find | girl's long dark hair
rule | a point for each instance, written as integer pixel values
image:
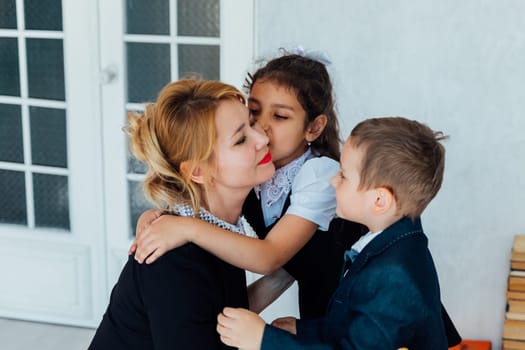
(311, 83)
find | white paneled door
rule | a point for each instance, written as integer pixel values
(69, 195)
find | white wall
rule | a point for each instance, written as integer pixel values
(458, 66)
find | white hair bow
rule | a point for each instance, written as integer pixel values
(318, 56)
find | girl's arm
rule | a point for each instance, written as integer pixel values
(262, 256)
(267, 289)
(312, 197)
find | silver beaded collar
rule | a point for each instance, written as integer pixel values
(241, 227)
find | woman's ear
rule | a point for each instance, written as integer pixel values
(197, 173)
(384, 200)
(316, 127)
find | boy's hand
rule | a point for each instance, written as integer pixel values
(143, 222)
(162, 235)
(286, 323)
(240, 328)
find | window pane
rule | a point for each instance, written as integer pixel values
(51, 196)
(48, 136)
(8, 14)
(43, 14)
(13, 203)
(147, 17)
(198, 17)
(11, 142)
(9, 73)
(199, 59)
(135, 166)
(137, 203)
(45, 69)
(148, 70)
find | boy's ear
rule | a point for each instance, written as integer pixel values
(197, 174)
(316, 127)
(384, 200)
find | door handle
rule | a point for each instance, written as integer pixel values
(109, 75)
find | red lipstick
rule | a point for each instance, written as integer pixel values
(267, 158)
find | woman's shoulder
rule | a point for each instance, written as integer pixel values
(187, 255)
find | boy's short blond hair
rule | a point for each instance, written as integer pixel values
(405, 156)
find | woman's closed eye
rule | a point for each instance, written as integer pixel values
(241, 140)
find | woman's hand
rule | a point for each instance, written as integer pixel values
(143, 222)
(162, 235)
(240, 328)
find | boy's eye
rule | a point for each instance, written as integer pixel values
(240, 141)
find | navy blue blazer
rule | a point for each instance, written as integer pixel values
(388, 299)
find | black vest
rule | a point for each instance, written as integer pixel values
(317, 266)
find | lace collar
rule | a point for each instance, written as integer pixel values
(241, 227)
(281, 182)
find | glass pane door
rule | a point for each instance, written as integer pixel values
(33, 141)
(51, 223)
(69, 73)
(165, 41)
(150, 44)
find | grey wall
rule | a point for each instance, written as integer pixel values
(459, 66)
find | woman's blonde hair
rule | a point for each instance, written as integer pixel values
(178, 128)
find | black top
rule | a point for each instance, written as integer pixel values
(172, 303)
(317, 266)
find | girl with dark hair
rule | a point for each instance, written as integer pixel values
(291, 98)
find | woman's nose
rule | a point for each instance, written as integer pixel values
(261, 139)
(257, 126)
(261, 122)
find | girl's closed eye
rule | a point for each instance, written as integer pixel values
(280, 117)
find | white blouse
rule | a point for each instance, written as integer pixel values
(309, 180)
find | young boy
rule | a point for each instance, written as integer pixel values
(388, 298)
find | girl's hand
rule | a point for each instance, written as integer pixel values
(143, 222)
(240, 328)
(162, 235)
(286, 323)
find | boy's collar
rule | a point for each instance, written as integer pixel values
(401, 229)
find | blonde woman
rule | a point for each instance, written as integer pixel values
(203, 157)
